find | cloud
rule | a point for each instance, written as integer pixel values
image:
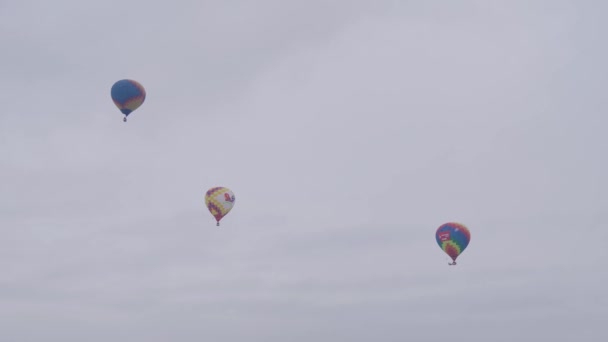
(349, 131)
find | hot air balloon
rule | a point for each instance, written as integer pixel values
(219, 201)
(128, 95)
(453, 238)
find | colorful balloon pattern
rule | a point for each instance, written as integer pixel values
(128, 95)
(453, 238)
(219, 200)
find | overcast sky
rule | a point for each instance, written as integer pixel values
(348, 130)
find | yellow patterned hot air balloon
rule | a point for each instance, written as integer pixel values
(219, 201)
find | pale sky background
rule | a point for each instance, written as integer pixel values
(348, 131)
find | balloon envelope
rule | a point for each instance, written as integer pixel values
(128, 95)
(219, 200)
(453, 238)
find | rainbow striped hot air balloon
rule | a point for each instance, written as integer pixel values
(128, 95)
(453, 238)
(219, 201)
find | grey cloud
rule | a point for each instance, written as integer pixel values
(348, 131)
